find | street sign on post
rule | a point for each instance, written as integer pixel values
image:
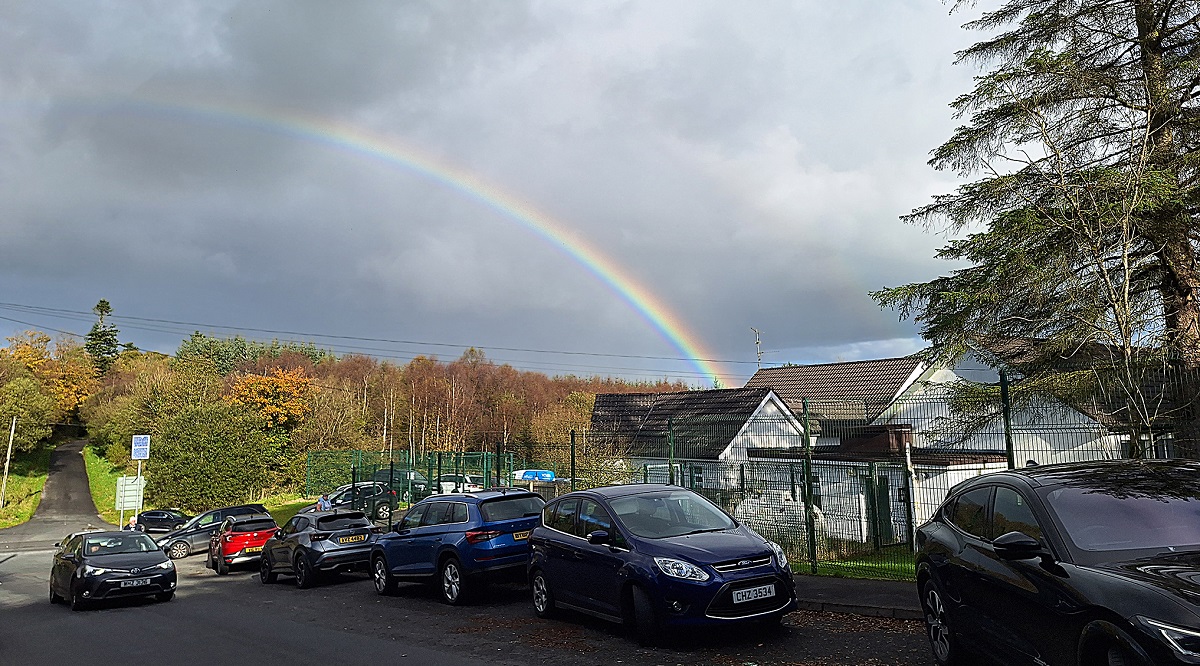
(141, 447)
(129, 492)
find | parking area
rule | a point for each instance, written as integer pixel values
(343, 618)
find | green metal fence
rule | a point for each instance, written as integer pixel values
(841, 484)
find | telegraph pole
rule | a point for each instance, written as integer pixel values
(757, 347)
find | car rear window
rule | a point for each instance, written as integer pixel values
(342, 522)
(253, 525)
(507, 508)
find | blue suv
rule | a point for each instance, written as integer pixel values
(656, 557)
(458, 541)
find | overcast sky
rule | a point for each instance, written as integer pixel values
(743, 162)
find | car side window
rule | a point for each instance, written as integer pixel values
(413, 518)
(208, 519)
(436, 514)
(969, 512)
(302, 524)
(564, 516)
(594, 517)
(290, 527)
(1011, 513)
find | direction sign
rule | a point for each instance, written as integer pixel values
(141, 447)
(129, 492)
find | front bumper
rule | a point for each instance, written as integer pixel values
(687, 604)
(114, 585)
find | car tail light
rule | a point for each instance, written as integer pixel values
(228, 538)
(377, 530)
(318, 536)
(480, 536)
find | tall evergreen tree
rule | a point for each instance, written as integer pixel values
(101, 342)
(1082, 135)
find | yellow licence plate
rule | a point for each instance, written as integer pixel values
(521, 536)
(352, 539)
(252, 549)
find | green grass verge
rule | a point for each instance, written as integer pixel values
(102, 477)
(893, 563)
(286, 505)
(26, 479)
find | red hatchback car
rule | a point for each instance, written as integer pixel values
(239, 540)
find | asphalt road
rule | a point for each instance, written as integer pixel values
(235, 617)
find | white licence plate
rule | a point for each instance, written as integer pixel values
(135, 582)
(753, 593)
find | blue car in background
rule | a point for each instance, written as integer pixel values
(458, 541)
(656, 557)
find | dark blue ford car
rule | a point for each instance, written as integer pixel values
(458, 542)
(656, 557)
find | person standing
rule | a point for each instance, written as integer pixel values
(323, 504)
(133, 525)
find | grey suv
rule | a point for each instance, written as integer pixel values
(193, 537)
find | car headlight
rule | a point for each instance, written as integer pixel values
(1183, 640)
(780, 556)
(165, 565)
(680, 569)
(89, 570)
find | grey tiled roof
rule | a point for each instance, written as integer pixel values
(704, 422)
(857, 389)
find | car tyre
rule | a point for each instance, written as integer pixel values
(178, 550)
(383, 512)
(543, 598)
(221, 567)
(645, 621)
(54, 598)
(265, 575)
(452, 584)
(304, 572)
(938, 630)
(78, 603)
(163, 597)
(385, 582)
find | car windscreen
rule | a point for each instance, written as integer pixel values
(119, 545)
(507, 508)
(1099, 521)
(252, 525)
(669, 513)
(331, 523)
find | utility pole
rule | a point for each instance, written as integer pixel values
(757, 347)
(11, 433)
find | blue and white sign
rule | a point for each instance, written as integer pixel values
(141, 447)
(537, 475)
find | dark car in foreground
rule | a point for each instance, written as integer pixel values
(162, 520)
(317, 543)
(239, 540)
(657, 557)
(195, 534)
(92, 566)
(458, 542)
(1084, 563)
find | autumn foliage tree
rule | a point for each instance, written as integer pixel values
(283, 398)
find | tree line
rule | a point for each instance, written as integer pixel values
(231, 418)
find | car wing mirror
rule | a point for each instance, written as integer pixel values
(598, 538)
(1018, 546)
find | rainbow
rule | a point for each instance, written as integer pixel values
(393, 151)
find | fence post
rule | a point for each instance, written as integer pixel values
(308, 463)
(875, 519)
(911, 503)
(499, 462)
(792, 477)
(810, 523)
(742, 479)
(1006, 411)
(670, 452)
(646, 473)
(572, 460)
